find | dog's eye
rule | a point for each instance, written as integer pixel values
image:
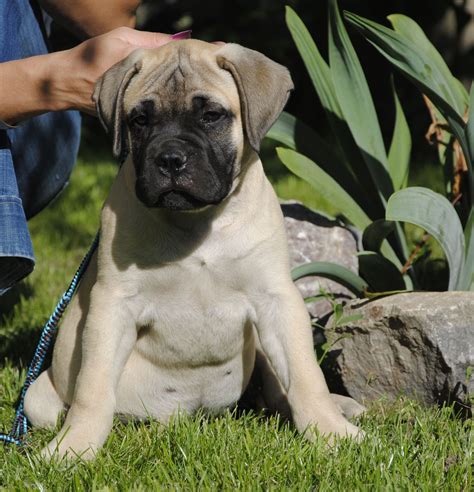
(211, 116)
(140, 120)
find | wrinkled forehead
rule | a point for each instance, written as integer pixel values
(173, 75)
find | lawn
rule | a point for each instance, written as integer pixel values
(408, 447)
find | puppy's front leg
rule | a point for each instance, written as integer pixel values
(284, 329)
(108, 339)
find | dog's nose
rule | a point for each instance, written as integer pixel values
(172, 162)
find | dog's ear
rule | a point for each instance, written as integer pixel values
(264, 87)
(108, 97)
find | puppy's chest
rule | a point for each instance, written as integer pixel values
(193, 314)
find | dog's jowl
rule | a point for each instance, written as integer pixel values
(191, 282)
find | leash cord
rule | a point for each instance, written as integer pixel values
(20, 423)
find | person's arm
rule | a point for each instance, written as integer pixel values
(88, 18)
(65, 80)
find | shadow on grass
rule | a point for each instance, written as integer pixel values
(17, 344)
(20, 347)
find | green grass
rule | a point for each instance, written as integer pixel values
(408, 447)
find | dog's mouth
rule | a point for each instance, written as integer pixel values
(189, 193)
(172, 197)
(179, 200)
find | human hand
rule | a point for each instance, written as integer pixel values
(66, 79)
(85, 63)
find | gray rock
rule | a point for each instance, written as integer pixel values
(419, 344)
(313, 237)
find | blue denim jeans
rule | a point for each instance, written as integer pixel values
(37, 157)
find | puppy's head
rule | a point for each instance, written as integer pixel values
(187, 110)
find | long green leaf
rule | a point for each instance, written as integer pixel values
(317, 67)
(381, 274)
(332, 271)
(320, 75)
(470, 143)
(468, 275)
(445, 141)
(328, 187)
(356, 102)
(459, 131)
(470, 124)
(375, 234)
(407, 27)
(374, 239)
(400, 147)
(296, 135)
(293, 133)
(404, 55)
(399, 161)
(457, 95)
(441, 87)
(434, 213)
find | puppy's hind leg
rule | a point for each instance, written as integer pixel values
(42, 402)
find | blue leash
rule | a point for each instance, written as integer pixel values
(20, 424)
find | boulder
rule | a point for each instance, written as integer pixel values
(420, 344)
(313, 237)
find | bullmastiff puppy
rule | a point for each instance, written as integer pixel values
(191, 278)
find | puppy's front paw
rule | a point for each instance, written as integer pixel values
(337, 430)
(68, 448)
(353, 432)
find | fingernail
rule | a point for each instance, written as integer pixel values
(182, 35)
